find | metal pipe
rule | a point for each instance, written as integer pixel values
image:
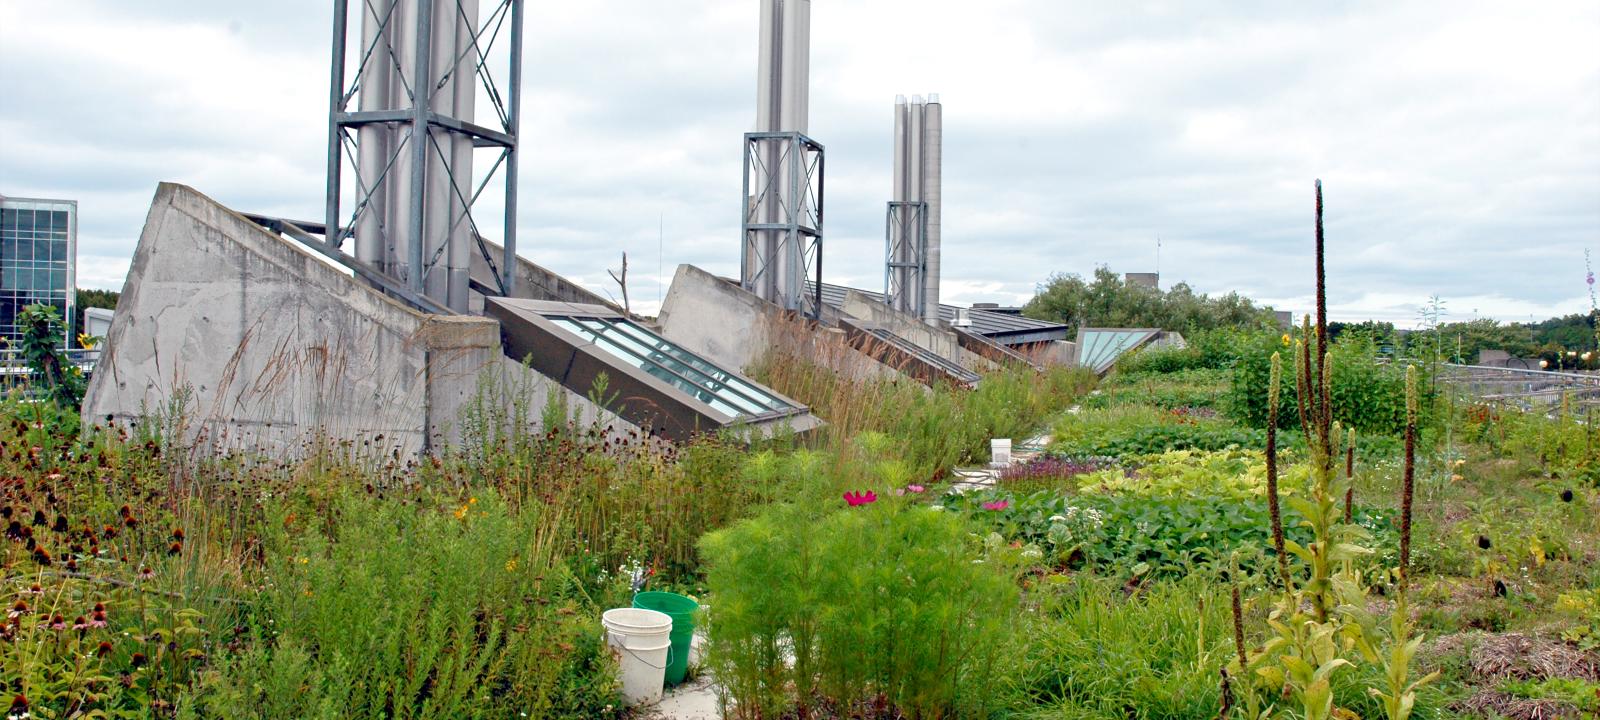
(422, 82)
(464, 83)
(373, 141)
(933, 196)
(896, 232)
(439, 204)
(341, 12)
(795, 58)
(402, 94)
(508, 265)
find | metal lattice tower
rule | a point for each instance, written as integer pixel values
(912, 230)
(411, 143)
(781, 219)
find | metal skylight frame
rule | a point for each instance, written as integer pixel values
(651, 381)
(711, 384)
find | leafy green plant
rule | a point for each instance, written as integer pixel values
(884, 606)
(43, 338)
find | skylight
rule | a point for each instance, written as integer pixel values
(1099, 348)
(676, 366)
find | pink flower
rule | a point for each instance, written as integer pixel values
(997, 505)
(915, 488)
(860, 498)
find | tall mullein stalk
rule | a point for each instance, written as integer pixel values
(1408, 479)
(1273, 511)
(1350, 479)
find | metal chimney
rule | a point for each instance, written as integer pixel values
(782, 215)
(912, 228)
(411, 141)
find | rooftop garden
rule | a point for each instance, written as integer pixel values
(1245, 528)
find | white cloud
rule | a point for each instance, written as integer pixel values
(1459, 141)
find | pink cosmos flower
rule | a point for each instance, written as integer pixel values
(860, 498)
(997, 505)
(915, 489)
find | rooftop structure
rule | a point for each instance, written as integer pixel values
(38, 259)
(1003, 329)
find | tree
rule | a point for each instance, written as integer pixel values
(1107, 301)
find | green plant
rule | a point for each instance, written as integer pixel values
(43, 338)
(884, 607)
(414, 612)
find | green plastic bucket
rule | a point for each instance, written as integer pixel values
(681, 609)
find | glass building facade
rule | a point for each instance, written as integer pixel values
(38, 259)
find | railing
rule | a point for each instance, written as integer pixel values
(12, 363)
(1529, 389)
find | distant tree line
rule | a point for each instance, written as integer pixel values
(1561, 342)
(1107, 301)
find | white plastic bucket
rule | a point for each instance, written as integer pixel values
(1000, 452)
(640, 639)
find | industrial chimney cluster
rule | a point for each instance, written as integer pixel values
(913, 228)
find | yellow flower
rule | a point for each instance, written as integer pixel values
(462, 513)
(511, 565)
(1286, 341)
(1456, 478)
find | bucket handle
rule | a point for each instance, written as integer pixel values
(624, 647)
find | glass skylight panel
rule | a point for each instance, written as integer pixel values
(1098, 349)
(641, 348)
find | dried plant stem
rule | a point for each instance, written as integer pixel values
(1350, 478)
(1408, 478)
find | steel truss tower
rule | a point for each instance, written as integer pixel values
(781, 213)
(411, 142)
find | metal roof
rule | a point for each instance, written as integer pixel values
(1001, 327)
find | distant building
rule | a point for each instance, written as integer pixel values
(38, 259)
(1149, 280)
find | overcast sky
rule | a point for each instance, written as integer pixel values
(1458, 141)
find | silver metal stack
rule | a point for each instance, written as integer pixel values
(783, 168)
(420, 67)
(912, 228)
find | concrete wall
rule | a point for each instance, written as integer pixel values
(939, 341)
(274, 345)
(533, 281)
(734, 328)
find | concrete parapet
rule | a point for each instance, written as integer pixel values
(271, 345)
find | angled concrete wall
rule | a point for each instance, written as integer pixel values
(938, 341)
(734, 328)
(275, 345)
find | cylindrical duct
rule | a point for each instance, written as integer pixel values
(373, 141)
(932, 194)
(768, 80)
(898, 216)
(796, 64)
(462, 240)
(397, 241)
(437, 199)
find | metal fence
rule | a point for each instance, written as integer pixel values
(1528, 389)
(14, 367)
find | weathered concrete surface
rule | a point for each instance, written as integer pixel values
(732, 327)
(533, 281)
(937, 340)
(274, 345)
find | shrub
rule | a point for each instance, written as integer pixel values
(418, 612)
(1367, 395)
(878, 604)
